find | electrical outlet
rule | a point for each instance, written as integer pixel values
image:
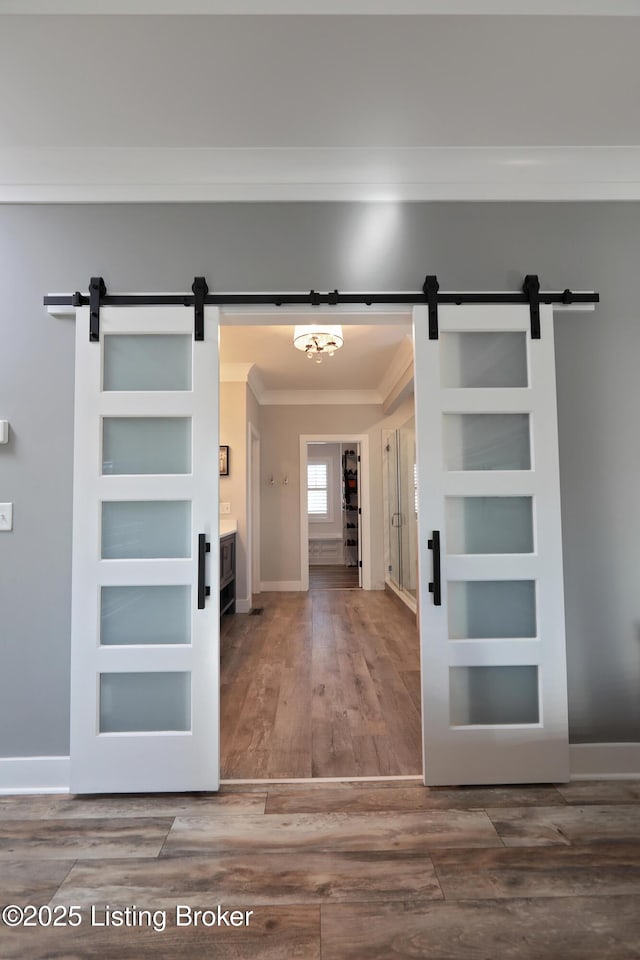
(6, 516)
(225, 508)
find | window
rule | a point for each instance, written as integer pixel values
(318, 505)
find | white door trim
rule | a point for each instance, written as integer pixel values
(365, 502)
(253, 511)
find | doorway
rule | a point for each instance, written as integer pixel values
(335, 511)
(323, 679)
(332, 520)
(493, 695)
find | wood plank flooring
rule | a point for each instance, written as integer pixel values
(321, 684)
(386, 870)
(333, 577)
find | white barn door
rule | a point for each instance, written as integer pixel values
(490, 548)
(145, 628)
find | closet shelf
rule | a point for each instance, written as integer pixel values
(350, 506)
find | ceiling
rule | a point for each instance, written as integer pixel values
(361, 364)
(394, 107)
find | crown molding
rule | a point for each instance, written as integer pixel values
(397, 369)
(246, 372)
(401, 391)
(276, 398)
(331, 7)
(149, 175)
(235, 372)
(255, 384)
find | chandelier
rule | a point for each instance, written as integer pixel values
(318, 340)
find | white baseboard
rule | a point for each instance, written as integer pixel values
(407, 778)
(34, 775)
(605, 761)
(243, 606)
(406, 598)
(589, 761)
(280, 586)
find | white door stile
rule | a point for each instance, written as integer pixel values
(491, 752)
(155, 759)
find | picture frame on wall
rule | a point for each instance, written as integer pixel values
(224, 461)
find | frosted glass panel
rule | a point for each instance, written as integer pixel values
(489, 524)
(149, 615)
(486, 441)
(483, 359)
(493, 695)
(147, 361)
(141, 529)
(485, 609)
(141, 702)
(146, 445)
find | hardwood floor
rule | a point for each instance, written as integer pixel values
(333, 577)
(321, 684)
(342, 871)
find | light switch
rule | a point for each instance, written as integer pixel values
(4, 431)
(6, 516)
(225, 508)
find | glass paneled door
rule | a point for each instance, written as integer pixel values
(490, 548)
(402, 508)
(145, 684)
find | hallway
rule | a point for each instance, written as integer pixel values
(320, 684)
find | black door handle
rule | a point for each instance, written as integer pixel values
(435, 587)
(203, 549)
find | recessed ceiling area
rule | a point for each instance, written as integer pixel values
(361, 364)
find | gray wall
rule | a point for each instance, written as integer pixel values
(300, 246)
(280, 431)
